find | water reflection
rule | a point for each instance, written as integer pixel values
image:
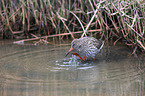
(27, 70)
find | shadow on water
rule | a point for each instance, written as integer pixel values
(27, 70)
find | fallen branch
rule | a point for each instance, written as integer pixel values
(22, 41)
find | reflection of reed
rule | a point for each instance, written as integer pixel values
(2, 84)
(35, 72)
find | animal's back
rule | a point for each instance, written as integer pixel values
(90, 47)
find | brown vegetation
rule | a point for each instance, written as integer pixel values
(117, 20)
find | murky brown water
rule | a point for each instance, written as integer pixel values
(27, 70)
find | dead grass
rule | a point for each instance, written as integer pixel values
(117, 20)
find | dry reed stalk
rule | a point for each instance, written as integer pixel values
(56, 35)
(59, 16)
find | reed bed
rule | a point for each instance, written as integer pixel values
(115, 20)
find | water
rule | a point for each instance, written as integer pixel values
(28, 70)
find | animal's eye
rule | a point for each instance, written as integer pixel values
(73, 45)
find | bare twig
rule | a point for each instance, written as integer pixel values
(63, 34)
(65, 25)
(141, 44)
(95, 12)
(79, 21)
(134, 30)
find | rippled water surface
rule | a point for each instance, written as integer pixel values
(42, 70)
